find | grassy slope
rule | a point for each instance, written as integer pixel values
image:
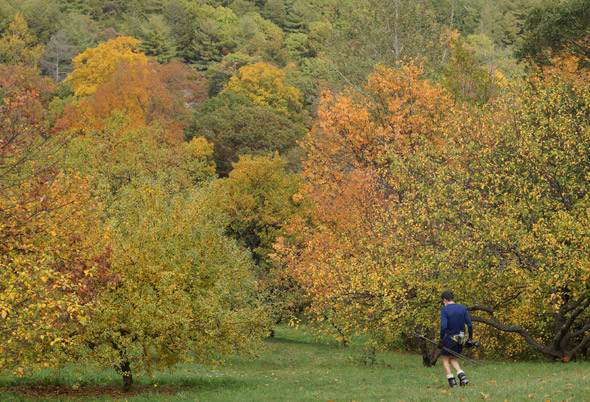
(297, 367)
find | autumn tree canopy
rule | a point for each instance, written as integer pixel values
(95, 66)
(521, 228)
(369, 159)
(52, 260)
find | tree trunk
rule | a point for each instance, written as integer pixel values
(429, 351)
(127, 376)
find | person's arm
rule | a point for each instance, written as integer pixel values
(469, 324)
(443, 323)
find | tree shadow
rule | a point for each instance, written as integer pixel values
(75, 392)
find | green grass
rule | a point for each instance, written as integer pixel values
(298, 367)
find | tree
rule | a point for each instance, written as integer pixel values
(237, 128)
(52, 258)
(216, 35)
(73, 6)
(258, 198)
(146, 93)
(372, 159)
(275, 11)
(57, 57)
(157, 40)
(79, 30)
(262, 40)
(116, 155)
(263, 84)
(95, 66)
(139, 90)
(180, 20)
(468, 78)
(370, 32)
(18, 46)
(521, 224)
(40, 16)
(7, 12)
(557, 27)
(184, 291)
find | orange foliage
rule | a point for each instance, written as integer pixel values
(363, 188)
(144, 92)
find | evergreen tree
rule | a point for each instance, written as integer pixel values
(41, 16)
(157, 39)
(79, 30)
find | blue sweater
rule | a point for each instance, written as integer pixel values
(453, 318)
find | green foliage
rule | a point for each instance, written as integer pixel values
(157, 40)
(558, 27)
(237, 128)
(500, 20)
(522, 216)
(79, 30)
(41, 16)
(263, 40)
(470, 77)
(217, 34)
(258, 198)
(74, 6)
(371, 32)
(183, 290)
(180, 20)
(7, 12)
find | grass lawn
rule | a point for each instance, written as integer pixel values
(298, 367)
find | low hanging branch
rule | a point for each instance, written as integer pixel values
(564, 332)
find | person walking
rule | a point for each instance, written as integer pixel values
(453, 319)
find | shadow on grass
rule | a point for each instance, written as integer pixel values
(314, 342)
(208, 384)
(76, 391)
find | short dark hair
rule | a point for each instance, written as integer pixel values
(448, 295)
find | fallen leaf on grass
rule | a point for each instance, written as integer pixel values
(532, 395)
(484, 396)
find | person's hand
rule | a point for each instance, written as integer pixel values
(471, 343)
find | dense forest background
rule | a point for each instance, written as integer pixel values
(178, 176)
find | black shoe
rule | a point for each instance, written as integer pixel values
(452, 382)
(463, 379)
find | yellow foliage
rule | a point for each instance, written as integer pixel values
(264, 85)
(17, 45)
(95, 66)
